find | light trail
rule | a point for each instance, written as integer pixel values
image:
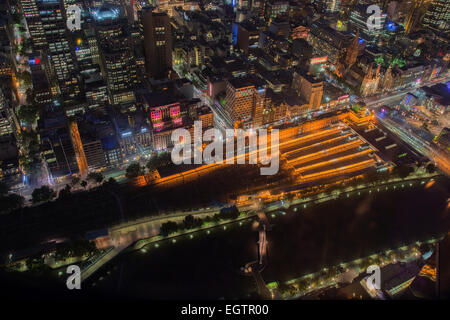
(441, 159)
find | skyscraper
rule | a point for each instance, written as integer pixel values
(5, 120)
(62, 66)
(245, 101)
(309, 88)
(358, 21)
(331, 6)
(157, 43)
(415, 13)
(116, 51)
(437, 17)
(32, 16)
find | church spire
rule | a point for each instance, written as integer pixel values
(369, 71)
(352, 51)
(377, 73)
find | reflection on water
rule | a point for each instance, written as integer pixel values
(304, 240)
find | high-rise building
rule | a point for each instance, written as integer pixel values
(331, 6)
(245, 101)
(415, 13)
(93, 151)
(56, 144)
(275, 8)
(116, 51)
(358, 21)
(437, 17)
(32, 16)
(326, 41)
(157, 43)
(190, 55)
(58, 48)
(309, 88)
(5, 123)
(247, 36)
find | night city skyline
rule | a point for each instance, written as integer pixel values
(191, 150)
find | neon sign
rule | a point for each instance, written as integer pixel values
(175, 111)
(34, 61)
(319, 60)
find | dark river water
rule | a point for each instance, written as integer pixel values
(299, 242)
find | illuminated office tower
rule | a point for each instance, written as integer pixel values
(5, 120)
(331, 6)
(33, 19)
(82, 50)
(58, 48)
(245, 102)
(116, 54)
(309, 88)
(91, 38)
(437, 17)
(415, 13)
(275, 8)
(358, 21)
(157, 43)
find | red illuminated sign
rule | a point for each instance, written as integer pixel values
(158, 126)
(34, 61)
(319, 60)
(156, 115)
(175, 111)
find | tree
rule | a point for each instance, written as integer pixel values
(4, 188)
(75, 181)
(43, 193)
(83, 184)
(95, 177)
(402, 171)
(29, 163)
(29, 159)
(26, 78)
(168, 228)
(159, 160)
(64, 193)
(16, 17)
(27, 44)
(22, 28)
(28, 113)
(285, 289)
(11, 202)
(29, 93)
(228, 213)
(111, 184)
(134, 170)
(431, 168)
(189, 221)
(82, 247)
